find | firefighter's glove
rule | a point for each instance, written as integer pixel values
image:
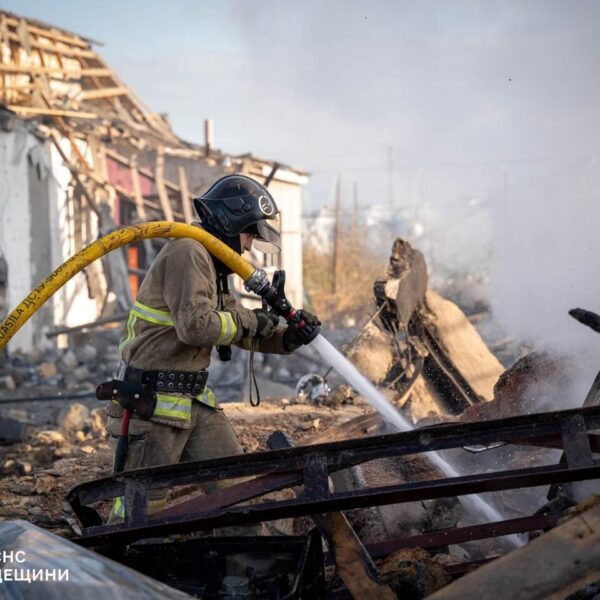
(293, 337)
(265, 322)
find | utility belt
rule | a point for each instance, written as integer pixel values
(165, 381)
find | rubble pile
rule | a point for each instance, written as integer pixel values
(394, 351)
(418, 347)
(75, 372)
(53, 372)
(38, 471)
(414, 573)
(300, 421)
(421, 351)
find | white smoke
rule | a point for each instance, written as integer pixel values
(546, 261)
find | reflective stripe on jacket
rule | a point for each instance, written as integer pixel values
(175, 323)
(119, 507)
(162, 318)
(176, 407)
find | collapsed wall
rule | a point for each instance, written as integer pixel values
(427, 358)
(463, 344)
(422, 349)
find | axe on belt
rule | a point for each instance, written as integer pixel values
(134, 398)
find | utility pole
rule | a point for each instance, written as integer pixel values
(336, 235)
(355, 207)
(390, 175)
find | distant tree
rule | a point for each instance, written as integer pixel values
(342, 294)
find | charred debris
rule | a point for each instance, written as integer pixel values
(345, 506)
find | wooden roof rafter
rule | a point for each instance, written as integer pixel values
(53, 58)
(67, 73)
(45, 71)
(36, 111)
(65, 50)
(106, 92)
(46, 30)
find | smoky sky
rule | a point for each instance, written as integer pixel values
(479, 119)
(460, 89)
(440, 81)
(491, 113)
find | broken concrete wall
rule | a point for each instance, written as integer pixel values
(422, 348)
(15, 221)
(39, 193)
(70, 230)
(463, 344)
(43, 223)
(373, 353)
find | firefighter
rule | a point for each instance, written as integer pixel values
(183, 310)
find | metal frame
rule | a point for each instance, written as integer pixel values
(311, 466)
(459, 535)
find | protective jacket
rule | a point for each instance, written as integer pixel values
(176, 321)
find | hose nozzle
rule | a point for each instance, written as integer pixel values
(274, 295)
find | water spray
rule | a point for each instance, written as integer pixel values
(368, 391)
(274, 296)
(255, 280)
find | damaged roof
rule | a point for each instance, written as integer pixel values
(48, 71)
(51, 75)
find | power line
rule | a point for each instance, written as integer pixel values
(407, 166)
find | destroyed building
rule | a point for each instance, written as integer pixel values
(81, 155)
(434, 472)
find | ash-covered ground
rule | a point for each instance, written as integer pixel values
(38, 471)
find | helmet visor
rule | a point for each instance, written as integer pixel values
(267, 239)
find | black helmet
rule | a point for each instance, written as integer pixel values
(237, 204)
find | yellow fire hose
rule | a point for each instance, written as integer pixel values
(133, 233)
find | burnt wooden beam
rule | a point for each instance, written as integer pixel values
(551, 567)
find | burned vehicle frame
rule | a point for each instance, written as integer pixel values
(310, 467)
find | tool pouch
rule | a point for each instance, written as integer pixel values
(135, 397)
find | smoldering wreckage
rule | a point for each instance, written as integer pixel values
(432, 472)
(348, 507)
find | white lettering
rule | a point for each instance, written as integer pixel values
(7, 556)
(30, 575)
(25, 575)
(22, 554)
